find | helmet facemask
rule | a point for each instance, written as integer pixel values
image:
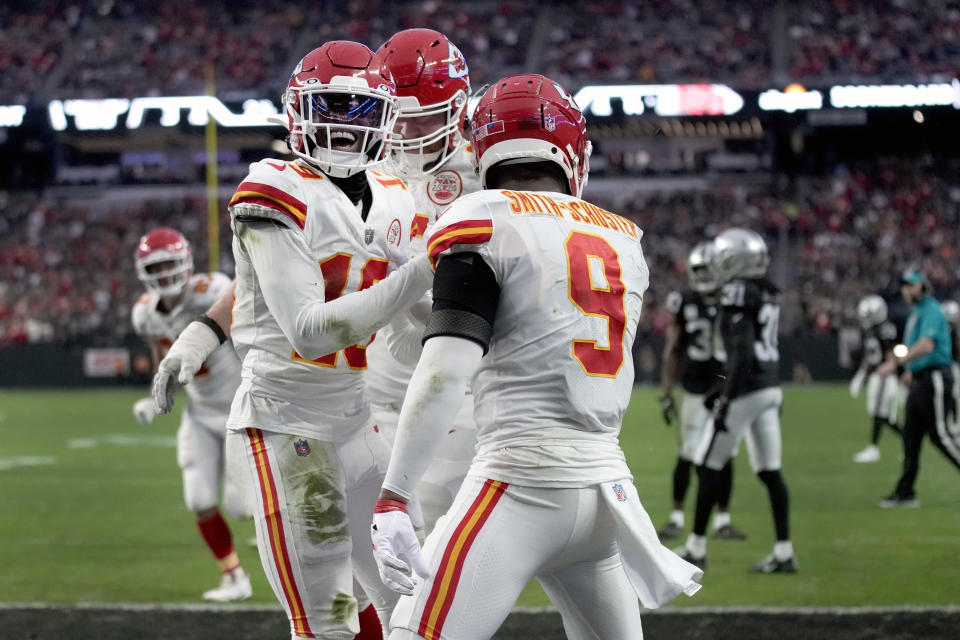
(425, 137)
(341, 129)
(165, 273)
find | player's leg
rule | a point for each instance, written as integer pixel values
(302, 531)
(876, 412)
(715, 450)
(943, 432)
(365, 458)
(588, 584)
(919, 414)
(481, 554)
(693, 420)
(200, 455)
(890, 406)
(448, 467)
(765, 449)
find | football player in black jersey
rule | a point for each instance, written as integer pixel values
(748, 402)
(951, 311)
(879, 338)
(693, 352)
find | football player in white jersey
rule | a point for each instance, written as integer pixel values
(436, 162)
(305, 232)
(174, 297)
(536, 295)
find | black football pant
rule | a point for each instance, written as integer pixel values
(930, 410)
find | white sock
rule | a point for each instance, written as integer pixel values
(697, 545)
(676, 517)
(783, 550)
(722, 519)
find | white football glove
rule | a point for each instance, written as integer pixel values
(397, 258)
(396, 548)
(182, 362)
(145, 410)
(856, 383)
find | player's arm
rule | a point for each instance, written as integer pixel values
(458, 333)
(292, 284)
(738, 340)
(670, 369)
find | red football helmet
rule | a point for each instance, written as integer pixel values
(164, 262)
(341, 108)
(433, 84)
(530, 118)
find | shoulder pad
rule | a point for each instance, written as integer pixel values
(466, 224)
(274, 189)
(138, 314)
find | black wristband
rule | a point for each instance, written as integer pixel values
(210, 322)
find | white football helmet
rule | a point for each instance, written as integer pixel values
(871, 310)
(951, 309)
(739, 253)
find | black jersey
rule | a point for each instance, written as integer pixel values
(699, 340)
(750, 320)
(878, 341)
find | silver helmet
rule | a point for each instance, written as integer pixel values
(739, 253)
(951, 309)
(871, 310)
(700, 272)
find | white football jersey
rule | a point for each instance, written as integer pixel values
(214, 386)
(282, 391)
(386, 377)
(551, 392)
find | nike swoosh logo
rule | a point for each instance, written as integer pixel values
(280, 167)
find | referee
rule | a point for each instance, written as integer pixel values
(930, 403)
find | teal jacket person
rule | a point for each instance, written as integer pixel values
(927, 334)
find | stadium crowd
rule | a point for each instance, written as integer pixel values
(833, 240)
(100, 48)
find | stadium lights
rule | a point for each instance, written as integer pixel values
(93, 115)
(12, 115)
(663, 99)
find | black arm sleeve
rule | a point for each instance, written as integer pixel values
(738, 338)
(465, 297)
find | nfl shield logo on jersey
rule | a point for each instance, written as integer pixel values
(302, 447)
(619, 492)
(368, 235)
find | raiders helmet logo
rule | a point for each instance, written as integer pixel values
(445, 187)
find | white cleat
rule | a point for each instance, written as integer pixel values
(233, 586)
(870, 454)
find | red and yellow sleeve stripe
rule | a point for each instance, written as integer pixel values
(447, 577)
(267, 196)
(465, 232)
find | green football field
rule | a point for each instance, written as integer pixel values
(91, 509)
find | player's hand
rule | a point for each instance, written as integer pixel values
(397, 258)
(668, 409)
(396, 548)
(887, 367)
(182, 362)
(720, 407)
(145, 410)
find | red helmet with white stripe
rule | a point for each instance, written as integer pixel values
(164, 262)
(530, 118)
(341, 108)
(433, 84)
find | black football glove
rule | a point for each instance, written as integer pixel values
(668, 409)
